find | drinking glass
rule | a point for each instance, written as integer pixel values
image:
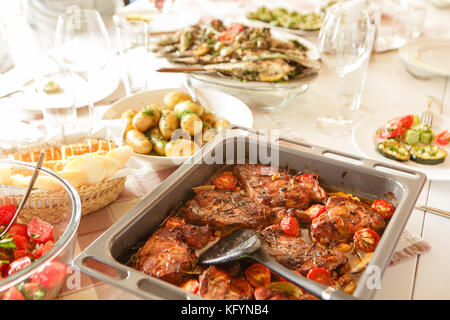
(345, 44)
(82, 46)
(134, 55)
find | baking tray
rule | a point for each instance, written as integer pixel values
(366, 178)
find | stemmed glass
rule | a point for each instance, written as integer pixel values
(83, 47)
(345, 44)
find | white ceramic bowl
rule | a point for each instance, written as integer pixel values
(223, 105)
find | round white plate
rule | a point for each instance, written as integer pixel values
(363, 139)
(427, 57)
(223, 105)
(101, 85)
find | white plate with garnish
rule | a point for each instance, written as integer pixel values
(364, 138)
(59, 90)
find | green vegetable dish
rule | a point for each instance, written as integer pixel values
(406, 138)
(281, 17)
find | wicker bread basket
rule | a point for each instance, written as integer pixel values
(51, 206)
(48, 204)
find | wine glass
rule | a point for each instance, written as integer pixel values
(83, 47)
(345, 44)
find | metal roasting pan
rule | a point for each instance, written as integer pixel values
(348, 173)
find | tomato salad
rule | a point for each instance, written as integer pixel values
(19, 248)
(406, 138)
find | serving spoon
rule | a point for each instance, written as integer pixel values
(27, 193)
(245, 243)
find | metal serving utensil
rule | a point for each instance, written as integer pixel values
(27, 193)
(245, 243)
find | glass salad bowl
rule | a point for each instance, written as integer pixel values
(36, 251)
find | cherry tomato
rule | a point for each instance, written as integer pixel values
(290, 226)
(383, 207)
(366, 239)
(230, 34)
(225, 182)
(396, 127)
(13, 294)
(257, 275)
(307, 178)
(40, 230)
(18, 265)
(443, 138)
(320, 275)
(190, 285)
(51, 275)
(7, 212)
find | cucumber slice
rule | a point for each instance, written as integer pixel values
(427, 154)
(394, 150)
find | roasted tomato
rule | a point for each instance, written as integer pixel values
(308, 178)
(320, 275)
(383, 207)
(443, 138)
(225, 182)
(366, 239)
(290, 226)
(396, 127)
(315, 210)
(258, 275)
(190, 285)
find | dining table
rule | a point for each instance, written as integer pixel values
(389, 87)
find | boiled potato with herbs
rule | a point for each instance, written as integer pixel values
(188, 106)
(222, 124)
(138, 141)
(168, 123)
(158, 141)
(209, 118)
(128, 115)
(191, 123)
(208, 134)
(147, 118)
(180, 148)
(174, 97)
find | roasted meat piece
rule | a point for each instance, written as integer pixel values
(165, 255)
(223, 208)
(277, 188)
(196, 236)
(217, 284)
(263, 293)
(296, 254)
(343, 217)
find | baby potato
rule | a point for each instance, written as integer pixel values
(191, 123)
(209, 118)
(188, 106)
(180, 148)
(128, 115)
(138, 141)
(147, 118)
(208, 135)
(222, 124)
(158, 141)
(174, 97)
(168, 123)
